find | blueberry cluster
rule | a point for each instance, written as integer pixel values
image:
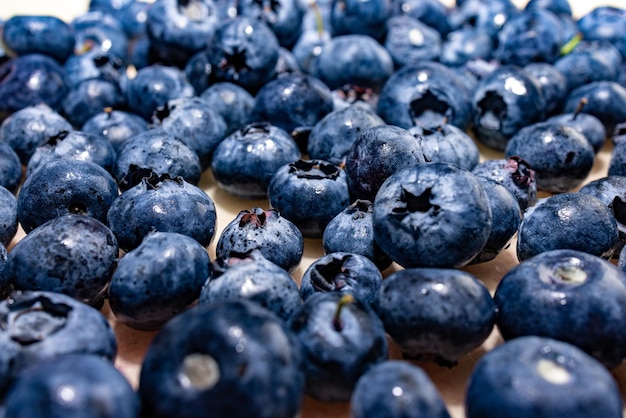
(411, 142)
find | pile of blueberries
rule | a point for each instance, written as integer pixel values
(358, 123)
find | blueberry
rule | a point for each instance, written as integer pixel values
(558, 7)
(231, 102)
(97, 31)
(250, 276)
(341, 339)
(605, 23)
(29, 80)
(349, 17)
(505, 101)
(354, 60)
(244, 162)
(65, 186)
(38, 34)
(25, 129)
(70, 254)
(292, 101)
(583, 66)
(377, 153)
(332, 137)
(447, 144)
(409, 40)
(309, 193)
(89, 97)
(5, 286)
(75, 145)
(425, 93)
(548, 376)
(10, 168)
(195, 123)
(180, 28)
(40, 326)
(432, 215)
(395, 389)
(243, 51)
(436, 314)
(8, 216)
(71, 386)
(576, 221)
(513, 173)
(153, 86)
(284, 17)
(606, 100)
(342, 272)
(507, 217)
(93, 64)
(431, 12)
(553, 84)
(162, 203)
(310, 44)
(352, 231)
(588, 125)
(278, 239)
(223, 359)
(465, 44)
(487, 15)
(560, 156)
(158, 151)
(115, 125)
(157, 280)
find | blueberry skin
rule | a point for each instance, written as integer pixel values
(5, 286)
(487, 15)
(558, 7)
(74, 145)
(65, 186)
(70, 254)
(447, 144)
(332, 137)
(250, 276)
(309, 45)
(425, 93)
(98, 390)
(97, 31)
(568, 295)
(89, 98)
(158, 279)
(409, 40)
(577, 221)
(41, 326)
(560, 156)
(605, 23)
(617, 164)
(375, 394)
(153, 86)
(612, 191)
(507, 217)
(425, 215)
(352, 231)
(431, 12)
(588, 125)
(504, 102)
(531, 36)
(284, 17)
(93, 64)
(344, 273)
(25, 129)
(553, 84)
(464, 45)
(244, 162)
(436, 314)
(355, 60)
(8, 216)
(258, 359)
(162, 203)
(309, 193)
(513, 173)
(551, 377)
(178, 29)
(115, 125)
(292, 101)
(243, 51)
(606, 100)
(231, 102)
(29, 80)
(350, 17)
(377, 153)
(278, 239)
(337, 354)
(158, 151)
(38, 34)
(195, 123)
(10, 168)
(585, 66)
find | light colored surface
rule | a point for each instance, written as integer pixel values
(451, 382)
